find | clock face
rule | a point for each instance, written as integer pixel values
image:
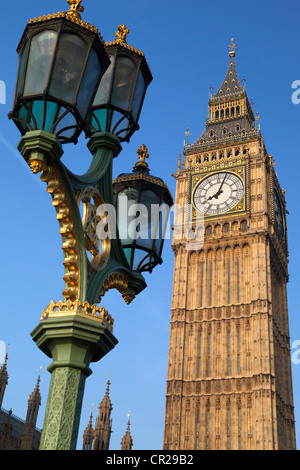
(278, 213)
(218, 193)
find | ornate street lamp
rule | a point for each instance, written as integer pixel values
(119, 99)
(145, 201)
(61, 62)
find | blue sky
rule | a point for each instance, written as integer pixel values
(185, 44)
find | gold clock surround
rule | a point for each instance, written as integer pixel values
(241, 170)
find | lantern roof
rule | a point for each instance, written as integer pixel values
(121, 39)
(72, 15)
(141, 171)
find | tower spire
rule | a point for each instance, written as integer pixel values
(230, 115)
(88, 435)
(231, 84)
(232, 48)
(127, 442)
(34, 403)
(103, 427)
(3, 377)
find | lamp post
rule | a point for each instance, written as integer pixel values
(70, 82)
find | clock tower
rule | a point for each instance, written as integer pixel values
(229, 383)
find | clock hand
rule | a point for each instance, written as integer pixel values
(219, 190)
(215, 195)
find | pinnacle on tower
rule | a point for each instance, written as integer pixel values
(231, 84)
(3, 377)
(127, 442)
(103, 427)
(34, 403)
(88, 435)
(230, 114)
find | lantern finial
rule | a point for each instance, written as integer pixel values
(121, 34)
(75, 8)
(142, 166)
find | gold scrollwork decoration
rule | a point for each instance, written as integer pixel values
(119, 281)
(67, 231)
(99, 249)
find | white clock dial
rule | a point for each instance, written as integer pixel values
(218, 193)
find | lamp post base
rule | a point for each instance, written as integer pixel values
(73, 340)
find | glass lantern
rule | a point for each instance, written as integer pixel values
(143, 205)
(120, 96)
(61, 63)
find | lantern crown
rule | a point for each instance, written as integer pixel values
(75, 9)
(72, 15)
(141, 172)
(121, 40)
(141, 165)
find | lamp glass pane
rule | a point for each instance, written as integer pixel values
(103, 93)
(32, 113)
(123, 82)
(68, 67)
(150, 201)
(51, 115)
(68, 120)
(21, 69)
(119, 123)
(88, 84)
(162, 228)
(123, 128)
(38, 112)
(128, 254)
(138, 257)
(126, 199)
(24, 115)
(40, 60)
(98, 119)
(138, 95)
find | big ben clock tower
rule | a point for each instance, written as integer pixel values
(229, 383)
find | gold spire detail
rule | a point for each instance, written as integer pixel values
(187, 133)
(142, 165)
(72, 15)
(121, 34)
(121, 38)
(232, 48)
(6, 355)
(142, 153)
(75, 9)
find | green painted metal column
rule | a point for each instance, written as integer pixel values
(73, 340)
